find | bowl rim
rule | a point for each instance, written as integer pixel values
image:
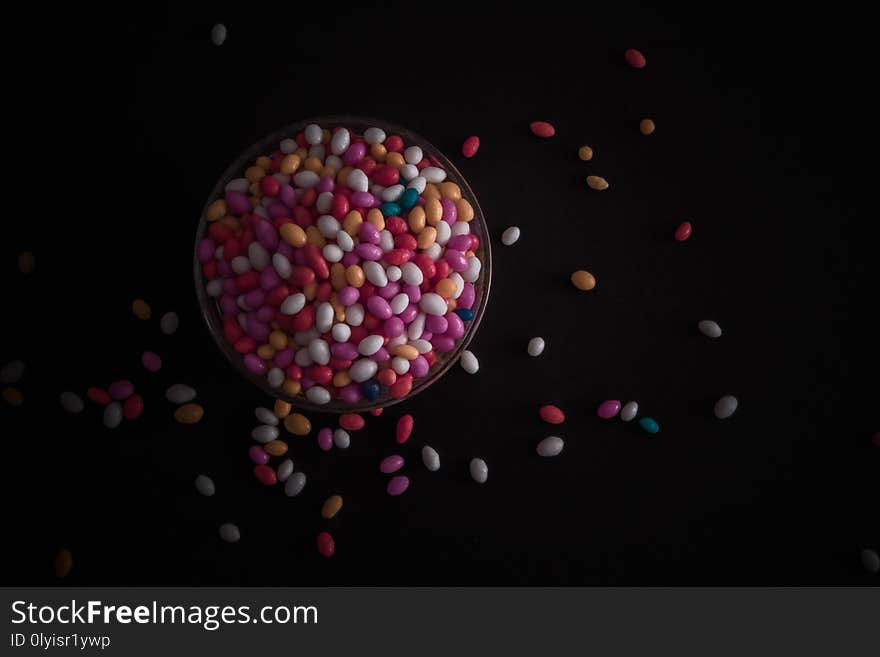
(208, 306)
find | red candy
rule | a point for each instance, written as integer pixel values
(270, 186)
(542, 129)
(386, 175)
(683, 231)
(133, 407)
(351, 421)
(99, 396)
(304, 319)
(394, 144)
(376, 412)
(552, 414)
(265, 475)
(398, 256)
(470, 146)
(404, 428)
(634, 58)
(402, 386)
(326, 544)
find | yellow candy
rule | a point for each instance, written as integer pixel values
(264, 162)
(450, 190)
(352, 222)
(341, 379)
(427, 237)
(376, 218)
(464, 210)
(597, 182)
(310, 290)
(313, 164)
(337, 275)
(431, 191)
(394, 160)
(378, 151)
(290, 164)
(445, 288)
(313, 236)
(266, 351)
(254, 174)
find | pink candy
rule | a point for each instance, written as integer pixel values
(608, 409)
(398, 485)
(391, 464)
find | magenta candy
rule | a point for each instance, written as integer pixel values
(355, 153)
(389, 291)
(278, 210)
(457, 261)
(442, 343)
(350, 393)
(419, 366)
(229, 287)
(436, 324)
(369, 251)
(206, 250)
(265, 314)
(299, 257)
(255, 298)
(228, 305)
(307, 382)
(237, 203)
(459, 243)
(467, 298)
(391, 464)
(427, 335)
(409, 313)
(283, 358)
(349, 295)
(325, 438)
(381, 356)
(257, 329)
(363, 200)
(343, 350)
(393, 327)
(324, 185)
(269, 279)
(608, 409)
(455, 328)
(414, 293)
(450, 213)
(286, 250)
(379, 307)
(151, 361)
(254, 364)
(398, 485)
(351, 258)
(120, 390)
(224, 269)
(258, 455)
(368, 233)
(266, 234)
(287, 196)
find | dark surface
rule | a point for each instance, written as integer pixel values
(760, 143)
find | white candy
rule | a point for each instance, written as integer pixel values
(275, 377)
(469, 362)
(430, 458)
(399, 303)
(302, 338)
(510, 235)
(409, 171)
(324, 316)
(340, 141)
(444, 232)
(354, 315)
(240, 264)
(709, 328)
(285, 469)
(317, 151)
(205, 485)
(362, 370)
(325, 199)
(726, 406)
(536, 346)
(302, 358)
(434, 251)
(214, 288)
(479, 470)
(374, 135)
(71, 402)
(313, 133)
(318, 395)
(393, 342)
(434, 174)
(230, 533)
(550, 446)
(218, 34)
(386, 240)
(370, 345)
(306, 179)
(266, 416)
(376, 190)
(112, 415)
(258, 256)
(341, 332)
(375, 273)
(413, 155)
(288, 146)
(412, 275)
(282, 265)
(456, 278)
(293, 304)
(394, 273)
(422, 346)
(295, 483)
(180, 393)
(12, 372)
(334, 161)
(472, 273)
(341, 439)
(418, 183)
(319, 350)
(239, 184)
(629, 411)
(332, 253)
(358, 181)
(416, 327)
(345, 241)
(328, 225)
(265, 433)
(169, 323)
(400, 365)
(433, 304)
(391, 194)
(461, 228)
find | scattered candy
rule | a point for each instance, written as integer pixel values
(12, 372)
(608, 409)
(683, 231)
(26, 262)
(341, 439)
(180, 393)
(430, 458)
(634, 58)
(479, 470)
(550, 446)
(189, 413)
(72, 402)
(326, 545)
(583, 280)
(151, 361)
(585, 153)
(331, 507)
(218, 34)
(469, 362)
(230, 533)
(265, 416)
(169, 323)
(391, 464)
(726, 406)
(470, 146)
(133, 407)
(709, 328)
(542, 129)
(871, 561)
(285, 469)
(113, 415)
(351, 421)
(649, 425)
(275, 447)
(398, 485)
(294, 485)
(597, 182)
(646, 126)
(281, 409)
(265, 475)
(13, 396)
(297, 424)
(205, 485)
(551, 414)
(404, 428)
(510, 236)
(63, 563)
(536, 347)
(629, 411)
(141, 309)
(325, 438)
(265, 433)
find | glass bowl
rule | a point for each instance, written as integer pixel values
(211, 312)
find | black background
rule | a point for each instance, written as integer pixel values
(764, 142)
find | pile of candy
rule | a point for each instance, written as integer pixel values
(341, 264)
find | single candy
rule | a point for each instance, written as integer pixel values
(294, 485)
(332, 506)
(536, 346)
(218, 34)
(265, 416)
(189, 413)
(326, 545)
(608, 409)
(351, 421)
(205, 485)
(649, 425)
(297, 424)
(112, 415)
(726, 406)
(510, 235)
(542, 129)
(551, 414)
(120, 390)
(634, 58)
(430, 458)
(469, 362)
(12, 372)
(398, 485)
(169, 323)
(285, 469)
(404, 428)
(683, 231)
(629, 411)
(151, 361)
(583, 280)
(133, 407)
(341, 439)
(71, 402)
(258, 455)
(550, 446)
(325, 438)
(391, 464)
(470, 146)
(646, 126)
(597, 182)
(141, 309)
(585, 153)
(98, 395)
(871, 561)
(264, 433)
(230, 533)
(479, 470)
(709, 328)
(180, 393)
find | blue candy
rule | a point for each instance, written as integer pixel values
(408, 198)
(371, 390)
(649, 425)
(466, 314)
(390, 209)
